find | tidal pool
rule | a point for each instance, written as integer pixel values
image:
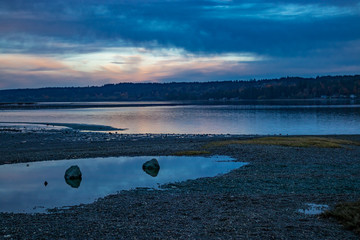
(313, 209)
(37, 186)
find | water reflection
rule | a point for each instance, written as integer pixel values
(151, 167)
(22, 187)
(218, 119)
(313, 209)
(74, 183)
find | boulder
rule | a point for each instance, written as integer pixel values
(73, 176)
(73, 172)
(151, 167)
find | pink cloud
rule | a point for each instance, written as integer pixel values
(36, 71)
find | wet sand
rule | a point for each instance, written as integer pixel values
(258, 201)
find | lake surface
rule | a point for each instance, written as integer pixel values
(23, 189)
(289, 119)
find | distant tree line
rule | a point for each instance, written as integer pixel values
(283, 88)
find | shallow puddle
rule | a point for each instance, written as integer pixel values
(313, 209)
(34, 187)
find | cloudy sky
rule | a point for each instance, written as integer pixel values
(93, 42)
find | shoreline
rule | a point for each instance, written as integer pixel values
(59, 126)
(258, 201)
(161, 103)
(69, 144)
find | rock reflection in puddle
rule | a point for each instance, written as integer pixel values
(313, 209)
(22, 187)
(74, 183)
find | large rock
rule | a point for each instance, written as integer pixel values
(73, 176)
(151, 167)
(73, 172)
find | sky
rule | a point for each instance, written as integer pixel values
(95, 42)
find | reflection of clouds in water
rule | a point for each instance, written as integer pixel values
(313, 209)
(101, 176)
(235, 119)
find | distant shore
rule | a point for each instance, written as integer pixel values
(112, 104)
(258, 201)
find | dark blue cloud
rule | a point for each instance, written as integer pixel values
(197, 26)
(325, 33)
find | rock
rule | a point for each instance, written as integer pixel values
(73, 172)
(151, 167)
(73, 176)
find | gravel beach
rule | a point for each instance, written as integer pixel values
(258, 201)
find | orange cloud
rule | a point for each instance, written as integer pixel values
(20, 62)
(147, 68)
(107, 67)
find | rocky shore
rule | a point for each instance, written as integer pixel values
(262, 200)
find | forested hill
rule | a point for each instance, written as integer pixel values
(283, 88)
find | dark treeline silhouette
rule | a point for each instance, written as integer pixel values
(283, 88)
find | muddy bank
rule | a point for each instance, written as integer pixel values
(66, 144)
(258, 201)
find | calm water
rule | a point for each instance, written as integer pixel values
(214, 119)
(22, 187)
(313, 209)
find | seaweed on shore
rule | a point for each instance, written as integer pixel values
(348, 214)
(191, 153)
(320, 142)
